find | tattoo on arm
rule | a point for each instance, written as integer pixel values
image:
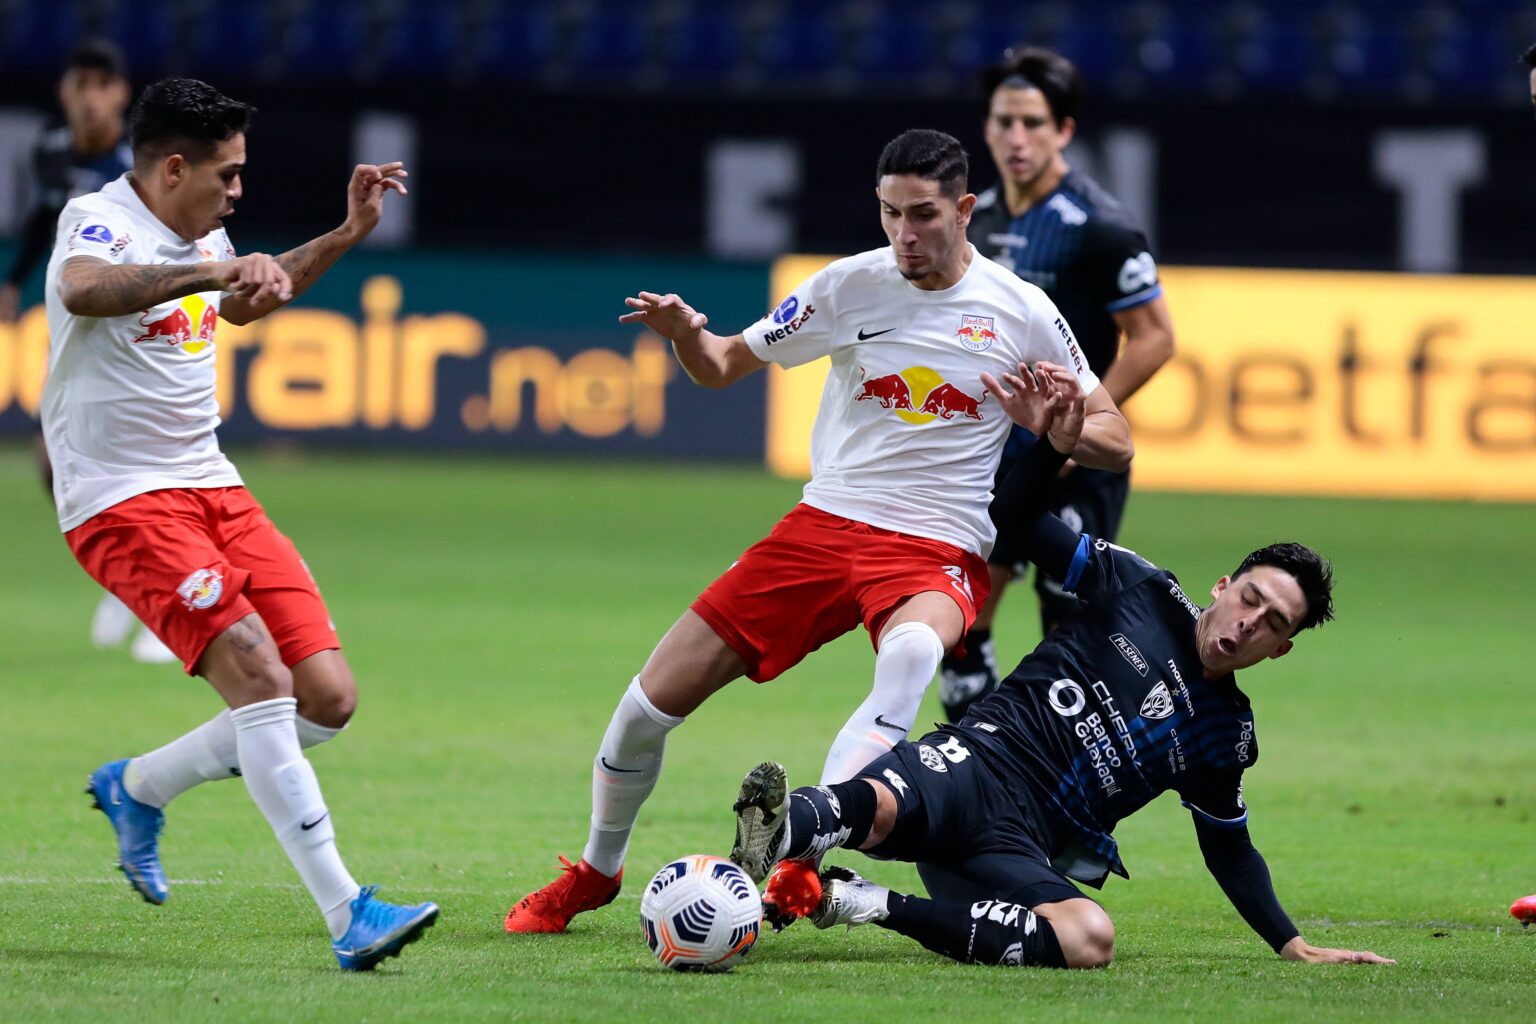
(94, 288)
(304, 265)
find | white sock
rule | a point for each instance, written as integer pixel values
(625, 771)
(206, 754)
(284, 786)
(909, 656)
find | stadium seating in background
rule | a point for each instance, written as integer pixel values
(1391, 50)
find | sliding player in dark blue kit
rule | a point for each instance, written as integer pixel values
(1058, 229)
(1133, 697)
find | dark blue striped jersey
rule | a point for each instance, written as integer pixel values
(60, 174)
(1080, 246)
(1111, 710)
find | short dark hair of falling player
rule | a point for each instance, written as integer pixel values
(183, 115)
(927, 154)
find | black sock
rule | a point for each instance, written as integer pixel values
(823, 817)
(988, 932)
(979, 660)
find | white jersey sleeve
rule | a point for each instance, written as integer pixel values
(1051, 334)
(95, 229)
(801, 328)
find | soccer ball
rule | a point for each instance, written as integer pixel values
(700, 913)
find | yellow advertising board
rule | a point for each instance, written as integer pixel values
(1303, 382)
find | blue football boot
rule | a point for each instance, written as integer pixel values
(380, 930)
(138, 831)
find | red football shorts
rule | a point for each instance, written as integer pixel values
(191, 562)
(817, 576)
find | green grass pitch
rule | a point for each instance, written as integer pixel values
(494, 609)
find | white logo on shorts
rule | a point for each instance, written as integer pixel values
(960, 581)
(932, 759)
(201, 590)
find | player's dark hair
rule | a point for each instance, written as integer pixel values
(1310, 570)
(1035, 67)
(927, 154)
(1530, 57)
(183, 115)
(97, 55)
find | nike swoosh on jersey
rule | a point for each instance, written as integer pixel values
(626, 771)
(873, 334)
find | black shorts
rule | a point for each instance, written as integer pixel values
(1091, 501)
(966, 832)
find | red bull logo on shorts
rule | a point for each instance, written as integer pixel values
(977, 333)
(919, 395)
(201, 590)
(190, 325)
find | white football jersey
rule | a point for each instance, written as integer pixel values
(907, 438)
(129, 405)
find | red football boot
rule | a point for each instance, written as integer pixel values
(1524, 910)
(792, 892)
(580, 887)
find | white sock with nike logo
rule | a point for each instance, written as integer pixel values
(909, 656)
(626, 768)
(284, 786)
(206, 754)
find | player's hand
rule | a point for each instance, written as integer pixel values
(1031, 404)
(365, 196)
(1071, 406)
(1303, 951)
(668, 315)
(10, 303)
(256, 278)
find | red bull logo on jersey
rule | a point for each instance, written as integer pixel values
(919, 395)
(201, 590)
(977, 333)
(191, 325)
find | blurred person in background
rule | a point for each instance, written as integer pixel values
(1060, 230)
(141, 274)
(77, 158)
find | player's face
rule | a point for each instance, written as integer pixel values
(1024, 138)
(926, 228)
(1249, 619)
(93, 101)
(206, 190)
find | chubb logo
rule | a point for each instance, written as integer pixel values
(191, 324)
(919, 395)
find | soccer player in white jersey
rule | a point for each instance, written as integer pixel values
(892, 530)
(141, 273)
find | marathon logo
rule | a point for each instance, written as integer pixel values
(1130, 653)
(780, 333)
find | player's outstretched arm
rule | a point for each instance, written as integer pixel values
(1239, 869)
(1299, 949)
(92, 287)
(1106, 439)
(709, 359)
(304, 265)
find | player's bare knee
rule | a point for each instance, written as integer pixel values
(1090, 938)
(326, 689)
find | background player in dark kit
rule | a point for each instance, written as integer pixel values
(1131, 698)
(78, 157)
(1058, 229)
